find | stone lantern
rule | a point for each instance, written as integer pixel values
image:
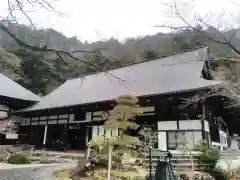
(9, 127)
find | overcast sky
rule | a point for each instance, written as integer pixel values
(93, 20)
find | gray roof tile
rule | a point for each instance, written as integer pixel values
(162, 75)
(9, 88)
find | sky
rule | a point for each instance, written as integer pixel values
(92, 20)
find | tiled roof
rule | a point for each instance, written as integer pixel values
(9, 88)
(179, 72)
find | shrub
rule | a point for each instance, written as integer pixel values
(202, 146)
(62, 174)
(209, 158)
(184, 176)
(18, 158)
(202, 176)
(219, 174)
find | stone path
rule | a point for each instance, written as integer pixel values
(29, 172)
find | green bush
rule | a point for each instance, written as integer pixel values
(209, 159)
(202, 146)
(184, 176)
(219, 174)
(18, 158)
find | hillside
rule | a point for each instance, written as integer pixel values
(41, 73)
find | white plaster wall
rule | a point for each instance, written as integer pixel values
(192, 138)
(114, 132)
(223, 138)
(94, 132)
(162, 141)
(62, 121)
(167, 125)
(108, 132)
(234, 144)
(190, 124)
(100, 132)
(4, 108)
(44, 118)
(206, 125)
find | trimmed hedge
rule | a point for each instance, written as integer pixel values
(18, 158)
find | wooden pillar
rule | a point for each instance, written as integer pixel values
(30, 131)
(45, 136)
(65, 134)
(204, 117)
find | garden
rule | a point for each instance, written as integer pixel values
(123, 157)
(17, 156)
(128, 155)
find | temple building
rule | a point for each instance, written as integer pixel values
(74, 113)
(12, 98)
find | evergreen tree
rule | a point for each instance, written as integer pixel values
(149, 53)
(122, 118)
(96, 58)
(36, 71)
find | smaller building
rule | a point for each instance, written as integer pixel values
(12, 98)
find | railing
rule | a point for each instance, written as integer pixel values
(181, 162)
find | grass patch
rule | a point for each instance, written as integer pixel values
(63, 174)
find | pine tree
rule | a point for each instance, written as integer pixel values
(122, 118)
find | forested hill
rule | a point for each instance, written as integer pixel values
(42, 73)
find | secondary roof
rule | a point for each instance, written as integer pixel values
(9, 88)
(179, 72)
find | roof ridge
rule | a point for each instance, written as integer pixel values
(142, 61)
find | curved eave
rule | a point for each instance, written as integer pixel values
(31, 109)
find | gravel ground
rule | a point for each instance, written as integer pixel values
(33, 173)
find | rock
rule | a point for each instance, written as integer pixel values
(222, 165)
(231, 165)
(202, 176)
(48, 161)
(3, 156)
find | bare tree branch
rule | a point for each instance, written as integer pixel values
(18, 5)
(226, 41)
(231, 87)
(42, 49)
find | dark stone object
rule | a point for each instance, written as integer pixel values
(164, 170)
(48, 161)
